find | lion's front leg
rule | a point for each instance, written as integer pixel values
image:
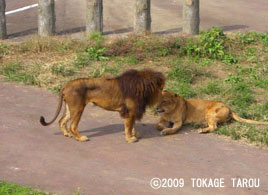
(135, 133)
(129, 126)
(162, 123)
(168, 131)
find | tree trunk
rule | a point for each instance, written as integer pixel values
(3, 29)
(94, 13)
(191, 17)
(142, 18)
(46, 17)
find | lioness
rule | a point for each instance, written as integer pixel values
(177, 110)
(129, 94)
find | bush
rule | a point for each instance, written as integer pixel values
(211, 44)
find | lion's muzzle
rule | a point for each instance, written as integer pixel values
(160, 111)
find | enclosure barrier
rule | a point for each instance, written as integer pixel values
(142, 19)
(94, 17)
(3, 29)
(94, 14)
(46, 17)
(190, 17)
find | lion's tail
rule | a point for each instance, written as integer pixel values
(238, 118)
(42, 119)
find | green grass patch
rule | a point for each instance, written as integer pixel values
(263, 83)
(4, 49)
(239, 93)
(15, 72)
(180, 78)
(184, 89)
(211, 88)
(82, 60)
(13, 189)
(132, 60)
(251, 133)
(96, 54)
(211, 44)
(61, 69)
(100, 70)
(52, 44)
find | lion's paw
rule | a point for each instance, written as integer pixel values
(83, 139)
(163, 133)
(202, 131)
(132, 139)
(67, 134)
(159, 127)
(137, 135)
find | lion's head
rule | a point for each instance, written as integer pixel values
(168, 102)
(142, 86)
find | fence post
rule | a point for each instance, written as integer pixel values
(46, 17)
(142, 18)
(94, 16)
(191, 17)
(3, 29)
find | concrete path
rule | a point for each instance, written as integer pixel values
(41, 157)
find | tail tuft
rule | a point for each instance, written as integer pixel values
(42, 121)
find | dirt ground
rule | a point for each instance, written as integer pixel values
(41, 157)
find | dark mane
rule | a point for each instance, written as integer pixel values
(142, 86)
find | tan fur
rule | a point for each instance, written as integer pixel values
(129, 94)
(178, 110)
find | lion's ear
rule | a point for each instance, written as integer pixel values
(176, 95)
(165, 90)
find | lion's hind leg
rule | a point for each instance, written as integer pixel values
(218, 114)
(64, 120)
(211, 127)
(212, 121)
(75, 114)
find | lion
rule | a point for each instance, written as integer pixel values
(129, 94)
(175, 111)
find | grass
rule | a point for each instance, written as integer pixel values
(230, 68)
(13, 189)
(14, 71)
(61, 69)
(212, 88)
(181, 78)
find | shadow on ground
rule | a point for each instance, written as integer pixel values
(146, 130)
(233, 27)
(118, 31)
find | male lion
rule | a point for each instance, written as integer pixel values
(129, 94)
(177, 110)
